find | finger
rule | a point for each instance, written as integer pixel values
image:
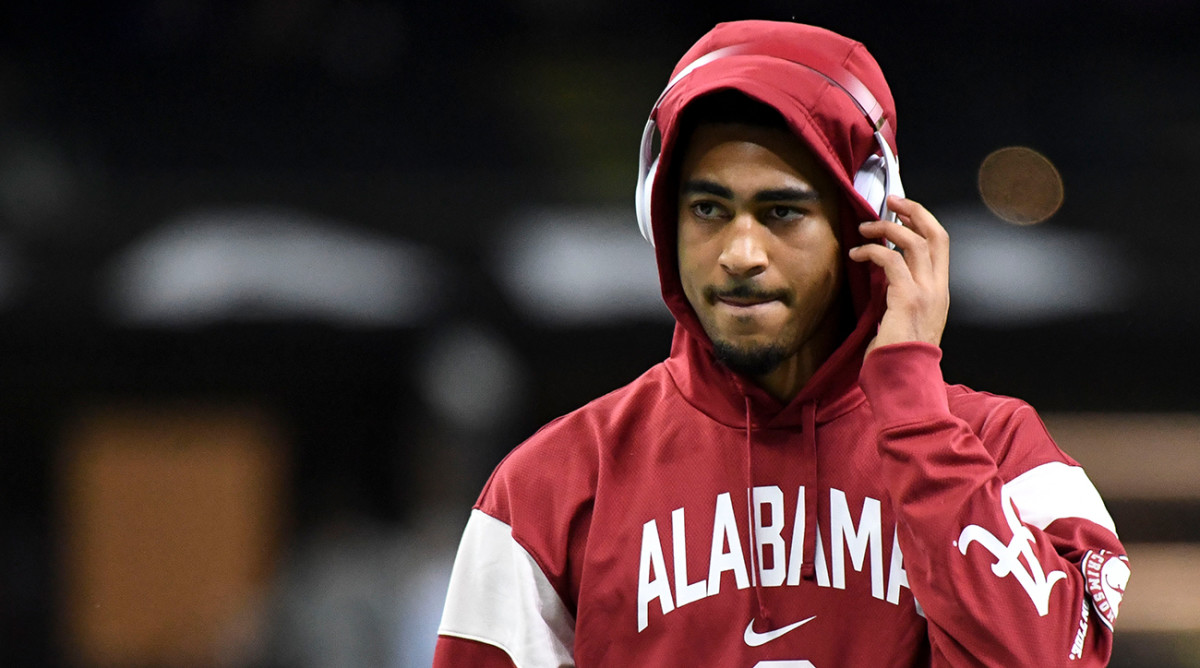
(916, 217)
(886, 230)
(912, 246)
(894, 265)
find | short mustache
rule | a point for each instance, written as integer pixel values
(743, 290)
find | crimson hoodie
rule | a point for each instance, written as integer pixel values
(880, 518)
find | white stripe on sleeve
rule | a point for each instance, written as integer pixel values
(498, 595)
(1055, 491)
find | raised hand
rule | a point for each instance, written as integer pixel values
(917, 270)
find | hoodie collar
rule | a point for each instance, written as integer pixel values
(735, 401)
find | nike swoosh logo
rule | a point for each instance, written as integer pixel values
(755, 639)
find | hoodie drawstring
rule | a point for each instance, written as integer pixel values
(812, 479)
(763, 613)
(808, 425)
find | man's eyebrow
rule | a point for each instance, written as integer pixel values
(706, 187)
(787, 195)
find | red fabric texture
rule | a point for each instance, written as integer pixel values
(469, 654)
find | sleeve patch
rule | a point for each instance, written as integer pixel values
(1106, 575)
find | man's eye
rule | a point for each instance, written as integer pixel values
(706, 209)
(781, 212)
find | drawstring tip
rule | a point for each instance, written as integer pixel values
(808, 571)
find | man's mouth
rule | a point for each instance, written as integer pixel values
(744, 301)
(745, 296)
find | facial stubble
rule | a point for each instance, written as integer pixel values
(749, 360)
(759, 359)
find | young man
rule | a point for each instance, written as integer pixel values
(796, 486)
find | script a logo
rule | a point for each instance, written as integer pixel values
(1035, 582)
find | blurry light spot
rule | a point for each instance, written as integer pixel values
(1020, 185)
(579, 266)
(36, 183)
(471, 378)
(271, 265)
(1003, 275)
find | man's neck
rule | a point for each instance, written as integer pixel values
(786, 381)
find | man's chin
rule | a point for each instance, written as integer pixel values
(749, 360)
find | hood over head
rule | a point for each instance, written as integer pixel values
(788, 67)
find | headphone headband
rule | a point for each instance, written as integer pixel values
(878, 177)
(819, 63)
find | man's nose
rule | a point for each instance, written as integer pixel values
(744, 253)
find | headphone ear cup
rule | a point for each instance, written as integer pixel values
(645, 189)
(871, 182)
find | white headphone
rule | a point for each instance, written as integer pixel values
(877, 178)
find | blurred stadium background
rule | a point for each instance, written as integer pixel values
(281, 281)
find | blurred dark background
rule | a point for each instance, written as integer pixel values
(361, 249)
